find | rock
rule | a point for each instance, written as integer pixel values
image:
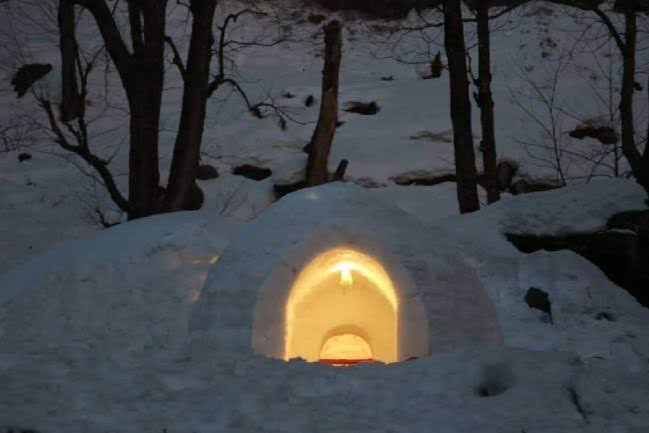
(27, 75)
(339, 174)
(316, 18)
(309, 101)
(363, 108)
(604, 134)
(538, 299)
(436, 66)
(196, 198)
(206, 172)
(505, 172)
(422, 178)
(252, 172)
(432, 69)
(523, 186)
(367, 182)
(434, 136)
(282, 190)
(385, 9)
(630, 220)
(24, 157)
(621, 255)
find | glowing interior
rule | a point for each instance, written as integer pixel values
(342, 292)
(346, 346)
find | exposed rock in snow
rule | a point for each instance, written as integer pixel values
(252, 172)
(423, 178)
(207, 172)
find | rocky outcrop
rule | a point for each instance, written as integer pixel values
(386, 9)
(206, 172)
(252, 172)
(621, 251)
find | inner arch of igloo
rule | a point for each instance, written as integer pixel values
(341, 291)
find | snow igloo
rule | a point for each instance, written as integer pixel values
(337, 275)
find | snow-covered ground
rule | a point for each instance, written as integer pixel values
(94, 338)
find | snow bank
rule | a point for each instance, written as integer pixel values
(582, 297)
(579, 209)
(124, 293)
(492, 392)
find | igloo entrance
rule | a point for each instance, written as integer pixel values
(342, 309)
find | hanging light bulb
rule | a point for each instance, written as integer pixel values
(346, 278)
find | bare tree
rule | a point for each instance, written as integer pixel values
(416, 44)
(71, 101)
(486, 103)
(15, 134)
(548, 120)
(320, 145)
(192, 119)
(465, 166)
(626, 42)
(139, 58)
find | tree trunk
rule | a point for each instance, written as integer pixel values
(186, 157)
(639, 162)
(467, 174)
(645, 155)
(339, 174)
(486, 103)
(144, 86)
(71, 102)
(323, 136)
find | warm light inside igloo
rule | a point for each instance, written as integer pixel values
(346, 349)
(342, 307)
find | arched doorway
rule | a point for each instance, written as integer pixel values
(346, 349)
(342, 308)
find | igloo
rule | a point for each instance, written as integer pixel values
(335, 274)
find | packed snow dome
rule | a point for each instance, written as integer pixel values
(335, 274)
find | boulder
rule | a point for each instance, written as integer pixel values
(207, 172)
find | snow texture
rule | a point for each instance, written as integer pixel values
(582, 373)
(123, 293)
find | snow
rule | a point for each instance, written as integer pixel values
(580, 373)
(291, 171)
(125, 292)
(581, 209)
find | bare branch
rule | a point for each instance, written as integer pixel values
(177, 60)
